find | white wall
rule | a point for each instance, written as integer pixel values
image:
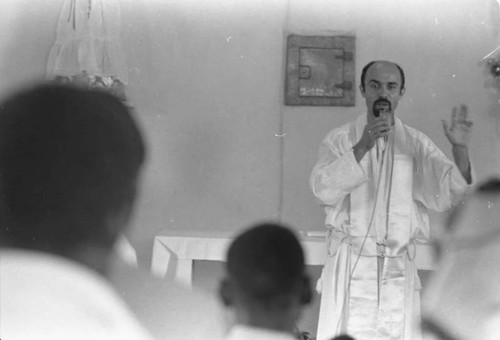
(206, 79)
(27, 31)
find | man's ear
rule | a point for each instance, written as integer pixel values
(402, 91)
(362, 91)
(118, 220)
(306, 291)
(226, 292)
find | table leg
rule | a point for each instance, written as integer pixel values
(184, 273)
(160, 260)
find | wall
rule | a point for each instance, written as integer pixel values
(206, 80)
(27, 31)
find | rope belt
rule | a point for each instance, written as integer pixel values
(334, 238)
(368, 248)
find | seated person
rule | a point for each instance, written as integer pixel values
(462, 300)
(70, 161)
(265, 283)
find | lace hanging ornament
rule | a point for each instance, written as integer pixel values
(88, 49)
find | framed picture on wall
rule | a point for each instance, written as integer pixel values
(320, 70)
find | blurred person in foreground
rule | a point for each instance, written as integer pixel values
(70, 161)
(70, 165)
(265, 284)
(462, 300)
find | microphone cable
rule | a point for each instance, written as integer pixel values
(353, 267)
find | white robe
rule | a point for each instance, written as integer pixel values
(48, 297)
(382, 200)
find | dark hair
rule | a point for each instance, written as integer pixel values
(491, 185)
(367, 66)
(343, 337)
(68, 158)
(435, 329)
(266, 261)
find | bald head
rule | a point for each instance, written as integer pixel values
(378, 64)
(382, 87)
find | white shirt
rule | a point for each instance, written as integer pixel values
(241, 332)
(48, 297)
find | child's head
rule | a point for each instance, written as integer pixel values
(266, 274)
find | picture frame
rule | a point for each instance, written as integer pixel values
(320, 70)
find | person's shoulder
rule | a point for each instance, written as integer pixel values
(338, 134)
(417, 137)
(414, 132)
(76, 290)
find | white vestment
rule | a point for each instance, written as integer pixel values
(375, 212)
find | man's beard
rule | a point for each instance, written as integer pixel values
(381, 104)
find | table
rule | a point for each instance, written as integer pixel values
(176, 250)
(186, 246)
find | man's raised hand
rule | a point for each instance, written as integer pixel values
(458, 131)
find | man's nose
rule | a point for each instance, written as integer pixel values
(384, 93)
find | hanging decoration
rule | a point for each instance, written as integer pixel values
(88, 49)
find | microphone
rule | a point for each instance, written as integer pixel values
(380, 141)
(381, 104)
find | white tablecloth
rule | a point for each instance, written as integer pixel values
(183, 247)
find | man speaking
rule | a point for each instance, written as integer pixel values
(376, 178)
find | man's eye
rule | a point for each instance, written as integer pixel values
(374, 86)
